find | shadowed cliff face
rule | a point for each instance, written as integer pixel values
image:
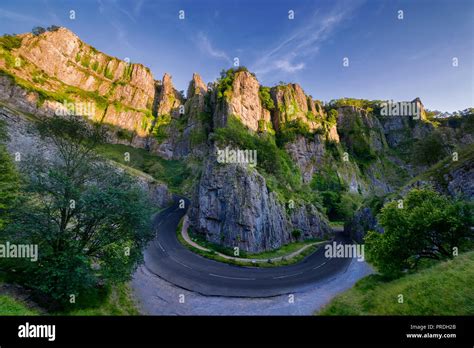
(234, 207)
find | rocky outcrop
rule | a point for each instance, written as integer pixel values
(244, 103)
(460, 180)
(233, 207)
(454, 178)
(59, 67)
(292, 103)
(62, 55)
(159, 194)
(169, 100)
(184, 124)
(196, 95)
(308, 154)
(358, 128)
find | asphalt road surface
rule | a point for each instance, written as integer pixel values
(168, 259)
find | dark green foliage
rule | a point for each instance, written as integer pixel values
(38, 31)
(356, 137)
(429, 150)
(296, 234)
(428, 225)
(290, 130)
(9, 180)
(197, 136)
(125, 134)
(53, 28)
(266, 98)
(332, 191)
(360, 103)
(90, 222)
(224, 83)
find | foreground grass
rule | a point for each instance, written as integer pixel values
(11, 306)
(444, 289)
(115, 301)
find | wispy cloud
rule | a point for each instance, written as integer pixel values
(287, 66)
(15, 16)
(289, 54)
(205, 46)
(111, 12)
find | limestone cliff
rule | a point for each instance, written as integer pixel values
(242, 101)
(291, 103)
(300, 141)
(235, 208)
(60, 67)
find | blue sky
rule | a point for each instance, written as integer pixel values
(388, 58)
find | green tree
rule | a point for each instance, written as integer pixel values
(332, 117)
(9, 180)
(429, 225)
(429, 150)
(89, 220)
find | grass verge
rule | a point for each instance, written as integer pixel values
(11, 306)
(213, 255)
(443, 289)
(114, 301)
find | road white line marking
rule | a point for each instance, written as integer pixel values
(159, 244)
(320, 265)
(182, 264)
(286, 276)
(220, 276)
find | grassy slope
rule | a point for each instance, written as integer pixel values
(444, 289)
(173, 173)
(438, 171)
(118, 301)
(11, 306)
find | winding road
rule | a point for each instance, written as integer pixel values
(168, 259)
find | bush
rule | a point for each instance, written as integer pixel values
(428, 225)
(331, 188)
(429, 150)
(266, 98)
(38, 31)
(296, 234)
(290, 130)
